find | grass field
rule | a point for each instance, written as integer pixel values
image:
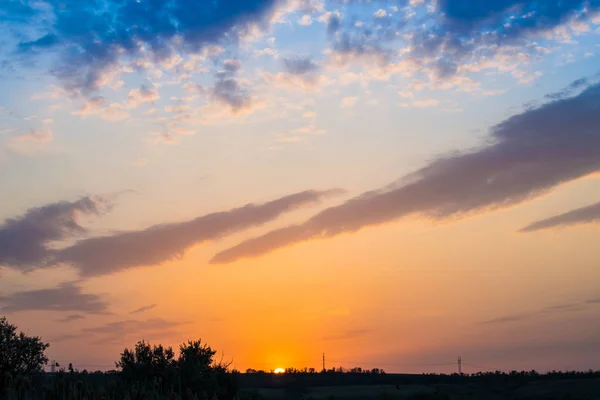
(553, 390)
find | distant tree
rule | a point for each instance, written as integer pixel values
(195, 365)
(19, 353)
(146, 362)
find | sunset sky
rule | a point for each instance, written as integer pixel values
(392, 183)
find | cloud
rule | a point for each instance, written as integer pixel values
(230, 92)
(300, 66)
(581, 83)
(381, 13)
(117, 331)
(72, 317)
(583, 215)
(228, 89)
(145, 94)
(525, 16)
(25, 240)
(348, 102)
(267, 51)
(561, 308)
(526, 155)
(143, 309)
(451, 38)
(67, 337)
(508, 318)
(306, 20)
(301, 74)
(130, 30)
(100, 106)
(160, 243)
(66, 297)
(31, 142)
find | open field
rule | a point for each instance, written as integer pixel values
(546, 390)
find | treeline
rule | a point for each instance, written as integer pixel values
(144, 372)
(350, 377)
(148, 372)
(358, 370)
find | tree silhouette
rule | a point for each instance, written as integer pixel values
(19, 353)
(146, 362)
(195, 365)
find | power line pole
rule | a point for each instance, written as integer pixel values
(459, 365)
(323, 362)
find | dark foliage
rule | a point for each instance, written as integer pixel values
(19, 353)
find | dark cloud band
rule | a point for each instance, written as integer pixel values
(160, 243)
(529, 154)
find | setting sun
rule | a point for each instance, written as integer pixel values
(279, 370)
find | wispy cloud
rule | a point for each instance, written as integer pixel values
(133, 326)
(143, 309)
(527, 155)
(72, 317)
(32, 142)
(561, 308)
(160, 243)
(66, 297)
(583, 215)
(25, 240)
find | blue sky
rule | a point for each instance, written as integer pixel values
(133, 133)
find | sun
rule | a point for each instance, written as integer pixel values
(279, 370)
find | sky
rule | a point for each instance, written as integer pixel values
(392, 183)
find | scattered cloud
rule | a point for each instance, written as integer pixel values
(100, 106)
(267, 51)
(66, 297)
(583, 215)
(301, 74)
(300, 66)
(306, 20)
(381, 13)
(527, 155)
(145, 94)
(138, 31)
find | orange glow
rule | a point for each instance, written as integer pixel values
(279, 370)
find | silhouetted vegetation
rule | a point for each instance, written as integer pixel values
(155, 372)
(19, 353)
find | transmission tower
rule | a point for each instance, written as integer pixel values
(459, 365)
